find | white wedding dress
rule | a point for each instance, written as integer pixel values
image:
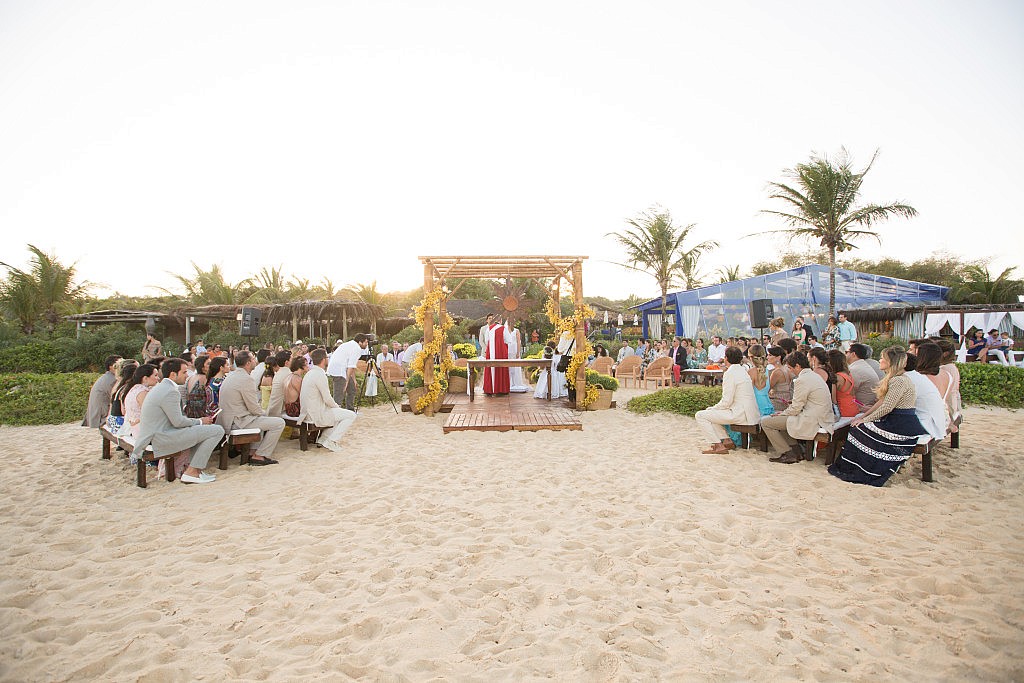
(516, 379)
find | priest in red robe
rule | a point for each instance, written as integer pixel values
(496, 380)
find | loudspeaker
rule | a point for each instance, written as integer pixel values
(250, 322)
(761, 312)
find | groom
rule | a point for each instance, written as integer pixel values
(496, 380)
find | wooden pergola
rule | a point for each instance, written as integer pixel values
(548, 271)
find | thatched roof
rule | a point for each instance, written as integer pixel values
(327, 309)
(116, 316)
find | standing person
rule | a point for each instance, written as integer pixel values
(341, 368)
(241, 409)
(516, 381)
(776, 328)
(798, 333)
(810, 410)
(678, 354)
(152, 348)
(496, 380)
(484, 331)
(847, 332)
(738, 405)
(165, 428)
(100, 394)
(319, 407)
(830, 337)
(885, 437)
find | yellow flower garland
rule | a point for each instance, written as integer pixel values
(579, 315)
(432, 302)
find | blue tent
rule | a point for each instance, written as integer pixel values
(724, 309)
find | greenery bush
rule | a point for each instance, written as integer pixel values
(43, 399)
(683, 400)
(604, 381)
(994, 385)
(414, 381)
(458, 372)
(877, 344)
(38, 357)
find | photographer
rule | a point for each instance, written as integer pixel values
(342, 370)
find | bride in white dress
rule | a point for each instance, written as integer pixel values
(516, 380)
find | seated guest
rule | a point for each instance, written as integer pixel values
(994, 345)
(978, 346)
(788, 344)
(864, 378)
(199, 398)
(813, 342)
(165, 428)
(737, 407)
(145, 378)
(261, 366)
(844, 398)
(280, 384)
(625, 352)
(758, 372)
(821, 366)
(319, 407)
(699, 357)
(240, 409)
(810, 410)
(126, 370)
(928, 365)
(780, 379)
(930, 409)
(100, 395)
(953, 401)
(270, 368)
(874, 363)
(913, 345)
(883, 439)
(716, 352)
(293, 387)
(541, 390)
(216, 370)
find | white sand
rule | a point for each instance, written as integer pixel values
(615, 553)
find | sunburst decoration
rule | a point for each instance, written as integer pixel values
(510, 301)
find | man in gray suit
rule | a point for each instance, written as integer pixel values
(99, 396)
(165, 428)
(810, 410)
(241, 409)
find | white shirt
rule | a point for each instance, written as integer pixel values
(716, 354)
(257, 373)
(410, 353)
(930, 409)
(344, 357)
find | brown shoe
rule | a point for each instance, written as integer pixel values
(717, 449)
(789, 459)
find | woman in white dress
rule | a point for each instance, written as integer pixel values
(542, 379)
(516, 380)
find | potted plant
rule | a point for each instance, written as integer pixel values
(457, 380)
(606, 386)
(416, 389)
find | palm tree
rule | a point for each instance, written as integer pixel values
(728, 274)
(979, 287)
(368, 294)
(209, 287)
(821, 204)
(271, 287)
(45, 291)
(655, 246)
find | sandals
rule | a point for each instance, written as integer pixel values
(261, 463)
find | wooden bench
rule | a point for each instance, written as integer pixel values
(303, 431)
(128, 445)
(241, 439)
(749, 432)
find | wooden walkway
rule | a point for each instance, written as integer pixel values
(521, 412)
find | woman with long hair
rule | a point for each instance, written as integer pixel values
(776, 328)
(759, 376)
(954, 403)
(267, 381)
(293, 389)
(821, 367)
(125, 370)
(780, 380)
(885, 437)
(844, 398)
(217, 369)
(699, 358)
(830, 336)
(929, 364)
(144, 378)
(798, 333)
(199, 398)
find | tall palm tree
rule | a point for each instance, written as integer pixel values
(270, 287)
(44, 291)
(821, 204)
(209, 287)
(654, 245)
(979, 287)
(728, 274)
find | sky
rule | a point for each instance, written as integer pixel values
(343, 140)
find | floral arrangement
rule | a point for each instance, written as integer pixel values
(580, 356)
(465, 350)
(432, 303)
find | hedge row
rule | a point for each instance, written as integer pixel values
(38, 399)
(684, 400)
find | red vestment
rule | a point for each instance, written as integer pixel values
(496, 379)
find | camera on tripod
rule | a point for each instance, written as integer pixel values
(368, 353)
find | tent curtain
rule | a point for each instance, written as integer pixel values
(936, 321)
(983, 321)
(690, 316)
(1017, 317)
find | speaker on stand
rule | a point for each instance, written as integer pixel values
(250, 323)
(761, 313)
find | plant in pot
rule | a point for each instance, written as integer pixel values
(457, 380)
(415, 387)
(606, 386)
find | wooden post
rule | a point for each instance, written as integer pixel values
(581, 330)
(188, 330)
(344, 324)
(428, 334)
(295, 328)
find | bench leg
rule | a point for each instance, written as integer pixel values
(954, 440)
(223, 464)
(140, 473)
(243, 458)
(926, 466)
(169, 467)
(303, 437)
(106, 448)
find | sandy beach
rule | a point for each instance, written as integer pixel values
(615, 553)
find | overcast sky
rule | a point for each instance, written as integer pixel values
(345, 139)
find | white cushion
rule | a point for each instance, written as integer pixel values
(242, 432)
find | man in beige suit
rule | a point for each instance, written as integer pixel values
(810, 410)
(241, 409)
(738, 404)
(318, 406)
(277, 390)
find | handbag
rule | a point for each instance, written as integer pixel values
(563, 362)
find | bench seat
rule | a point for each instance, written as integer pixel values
(242, 439)
(127, 443)
(303, 430)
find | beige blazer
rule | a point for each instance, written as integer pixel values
(239, 401)
(738, 397)
(276, 406)
(315, 400)
(811, 408)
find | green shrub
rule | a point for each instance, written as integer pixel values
(43, 399)
(39, 357)
(414, 381)
(465, 350)
(994, 385)
(604, 381)
(684, 400)
(877, 344)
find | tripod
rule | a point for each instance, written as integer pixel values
(374, 369)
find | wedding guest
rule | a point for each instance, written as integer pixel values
(151, 349)
(830, 336)
(780, 380)
(738, 405)
(293, 387)
(699, 358)
(844, 397)
(809, 411)
(145, 378)
(100, 395)
(199, 398)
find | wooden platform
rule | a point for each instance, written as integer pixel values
(520, 412)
